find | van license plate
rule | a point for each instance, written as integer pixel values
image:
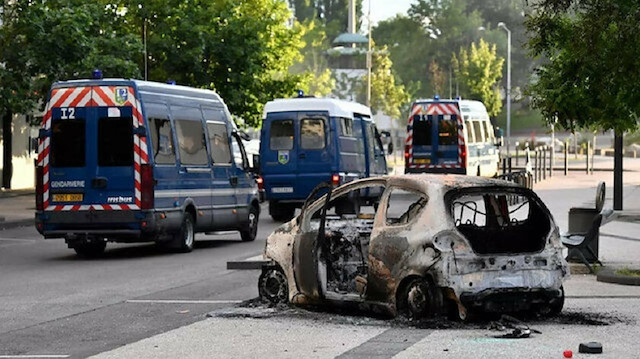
(282, 190)
(67, 197)
(422, 160)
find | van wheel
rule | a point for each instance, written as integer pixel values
(250, 231)
(184, 239)
(90, 249)
(281, 212)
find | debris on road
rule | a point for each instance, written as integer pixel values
(590, 348)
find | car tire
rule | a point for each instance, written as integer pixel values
(417, 300)
(184, 239)
(556, 306)
(273, 286)
(92, 249)
(250, 231)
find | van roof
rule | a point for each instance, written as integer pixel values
(467, 107)
(144, 86)
(335, 107)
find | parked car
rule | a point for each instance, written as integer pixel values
(134, 161)
(306, 141)
(430, 244)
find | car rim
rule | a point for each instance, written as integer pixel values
(188, 233)
(417, 301)
(252, 222)
(274, 286)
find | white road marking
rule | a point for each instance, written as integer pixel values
(37, 356)
(179, 301)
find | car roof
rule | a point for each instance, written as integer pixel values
(335, 107)
(445, 181)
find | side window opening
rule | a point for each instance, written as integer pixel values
(477, 129)
(346, 126)
(68, 142)
(500, 222)
(312, 134)
(344, 249)
(470, 131)
(404, 205)
(239, 158)
(162, 141)
(219, 142)
(281, 135)
(115, 141)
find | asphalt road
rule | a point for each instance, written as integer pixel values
(53, 303)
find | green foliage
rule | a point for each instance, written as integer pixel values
(45, 41)
(479, 70)
(333, 14)
(386, 96)
(316, 75)
(592, 78)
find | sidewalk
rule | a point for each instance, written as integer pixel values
(17, 208)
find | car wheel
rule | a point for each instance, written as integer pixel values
(273, 286)
(184, 239)
(90, 249)
(249, 233)
(417, 300)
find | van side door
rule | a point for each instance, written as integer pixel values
(314, 151)
(279, 155)
(245, 188)
(163, 150)
(223, 186)
(194, 184)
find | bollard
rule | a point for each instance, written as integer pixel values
(587, 155)
(551, 160)
(544, 162)
(517, 153)
(566, 158)
(510, 164)
(504, 166)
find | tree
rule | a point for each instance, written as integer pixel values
(46, 41)
(592, 77)
(479, 70)
(333, 14)
(386, 96)
(316, 75)
(437, 77)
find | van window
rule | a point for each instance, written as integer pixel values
(488, 130)
(219, 142)
(447, 132)
(115, 141)
(346, 126)
(422, 132)
(162, 141)
(477, 129)
(281, 135)
(312, 133)
(470, 133)
(68, 143)
(191, 142)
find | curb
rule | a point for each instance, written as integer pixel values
(608, 275)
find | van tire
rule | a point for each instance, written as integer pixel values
(184, 239)
(249, 232)
(92, 249)
(281, 212)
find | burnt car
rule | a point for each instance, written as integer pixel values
(425, 245)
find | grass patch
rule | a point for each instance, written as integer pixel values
(628, 272)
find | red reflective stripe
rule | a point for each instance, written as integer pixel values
(80, 96)
(98, 90)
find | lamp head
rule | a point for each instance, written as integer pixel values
(502, 25)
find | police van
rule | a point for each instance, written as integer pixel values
(306, 141)
(451, 136)
(133, 161)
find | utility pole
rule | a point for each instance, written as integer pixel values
(369, 60)
(502, 25)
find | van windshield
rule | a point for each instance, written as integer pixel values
(68, 142)
(115, 141)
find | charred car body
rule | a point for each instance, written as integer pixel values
(430, 244)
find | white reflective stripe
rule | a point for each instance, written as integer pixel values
(56, 97)
(74, 94)
(107, 91)
(113, 112)
(85, 100)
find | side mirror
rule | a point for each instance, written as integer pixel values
(243, 135)
(256, 163)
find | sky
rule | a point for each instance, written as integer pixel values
(384, 9)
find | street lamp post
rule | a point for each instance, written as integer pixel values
(502, 25)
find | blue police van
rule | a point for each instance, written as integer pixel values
(306, 141)
(133, 161)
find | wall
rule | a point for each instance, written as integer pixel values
(23, 155)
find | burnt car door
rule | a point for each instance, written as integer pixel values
(331, 250)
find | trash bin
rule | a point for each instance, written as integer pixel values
(580, 221)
